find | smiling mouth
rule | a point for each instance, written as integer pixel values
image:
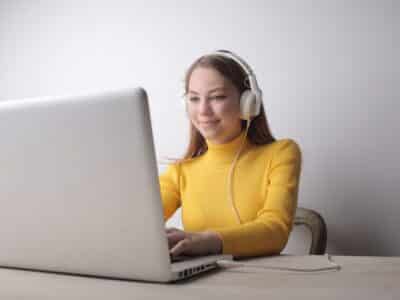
(208, 123)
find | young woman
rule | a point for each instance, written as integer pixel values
(237, 186)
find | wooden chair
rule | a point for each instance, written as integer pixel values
(316, 224)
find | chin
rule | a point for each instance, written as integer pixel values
(207, 135)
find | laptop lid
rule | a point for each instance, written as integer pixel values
(79, 186)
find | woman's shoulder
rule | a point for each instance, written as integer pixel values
(286, 143)
(281, 147)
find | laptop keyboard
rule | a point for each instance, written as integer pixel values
(180, 258)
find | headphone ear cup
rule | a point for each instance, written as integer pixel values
(248, 105)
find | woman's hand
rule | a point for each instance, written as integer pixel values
(193, 243)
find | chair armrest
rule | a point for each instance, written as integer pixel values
(316, 224)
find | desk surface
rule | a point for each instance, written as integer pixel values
(359, 278)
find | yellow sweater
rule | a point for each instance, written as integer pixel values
(265, 187)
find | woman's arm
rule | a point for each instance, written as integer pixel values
(170, 191)
(269, 232)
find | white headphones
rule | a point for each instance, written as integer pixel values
(250, 100)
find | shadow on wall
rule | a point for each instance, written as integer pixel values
(357, 228)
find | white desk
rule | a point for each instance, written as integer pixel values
(359, 278)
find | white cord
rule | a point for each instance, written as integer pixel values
(333, 266)
(230, 175)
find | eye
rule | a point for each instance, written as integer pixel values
(193, 98)
(219, 97)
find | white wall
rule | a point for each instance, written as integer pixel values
(328, 70)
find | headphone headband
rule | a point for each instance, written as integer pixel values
(245, 67)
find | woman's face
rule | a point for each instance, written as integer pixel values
(212, 105)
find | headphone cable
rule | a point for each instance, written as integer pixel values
(230, 174)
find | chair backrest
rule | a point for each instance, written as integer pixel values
(316, 224)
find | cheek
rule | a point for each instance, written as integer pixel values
(231, 111)
(191, 115)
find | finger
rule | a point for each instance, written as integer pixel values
(177, 234)
(181, 247)
(173, 240)
(173, 229)
(175, 237)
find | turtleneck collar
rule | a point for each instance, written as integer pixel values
(225, 153)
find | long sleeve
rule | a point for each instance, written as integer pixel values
(268, 233)
(170, 191)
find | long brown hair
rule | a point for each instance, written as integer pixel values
(259, 132)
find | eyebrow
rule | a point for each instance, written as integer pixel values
(213, 90)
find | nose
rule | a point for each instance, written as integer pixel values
(204, 107)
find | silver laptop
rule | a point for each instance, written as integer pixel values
(79, 189)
